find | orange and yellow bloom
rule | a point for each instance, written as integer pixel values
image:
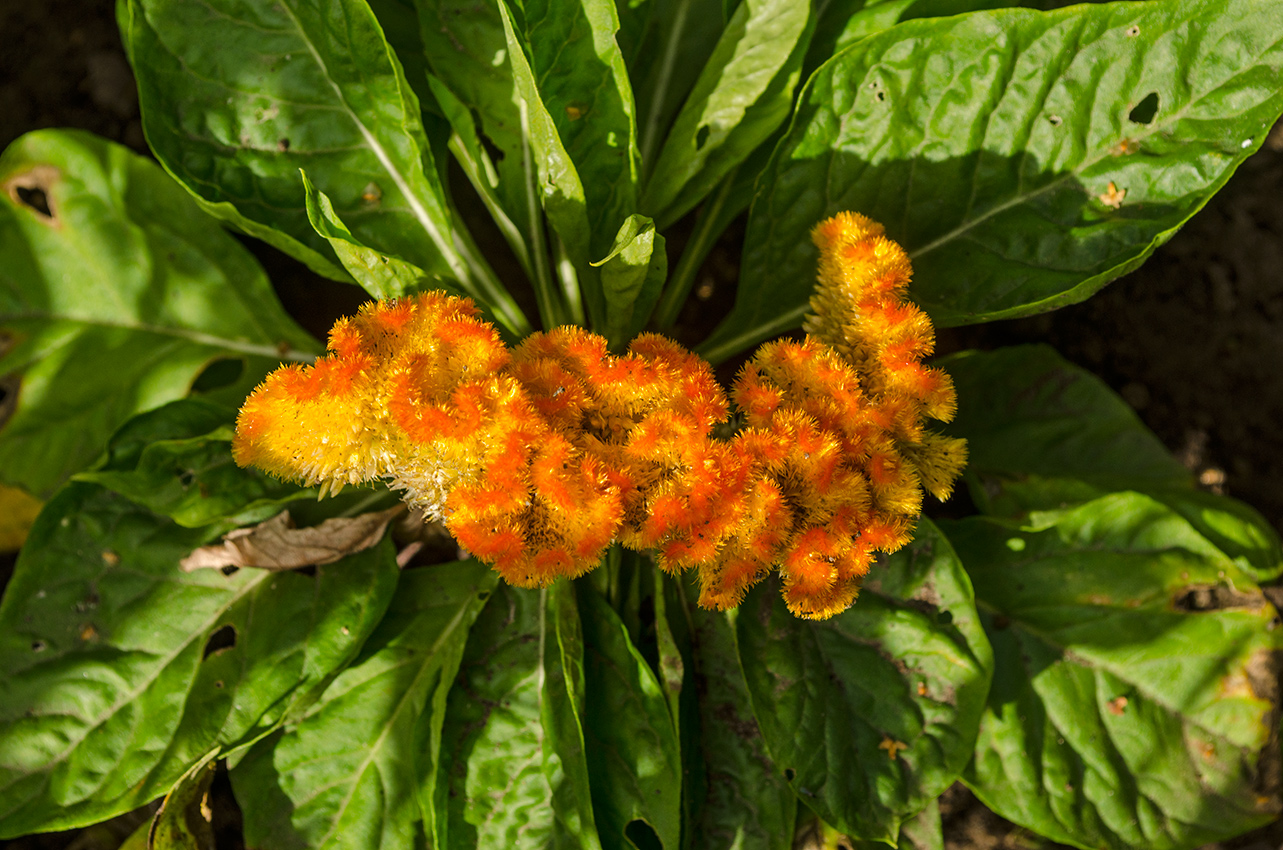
(540, 457)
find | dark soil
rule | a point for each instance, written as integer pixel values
(1193, 340)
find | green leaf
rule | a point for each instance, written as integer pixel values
(743, 94)
(118, 300)
(1134, 703)
(1044, 434)
(380, 275)
(118, 671)
(347, 774)
(1026, 411)
(873, 713)
(632, 276)
(746, 802)
(183, 821)
(986, 142)
(665, 44)
(190, 479)
(582, 82)
(513, 771)
(292, 85)
(635, 769)
(923, 831)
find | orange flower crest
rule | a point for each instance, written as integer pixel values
(539, 458)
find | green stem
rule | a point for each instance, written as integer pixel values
(708, 227)
(569, 278)
(727, 348)
(488, 287)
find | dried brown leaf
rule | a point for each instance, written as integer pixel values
(277, 545)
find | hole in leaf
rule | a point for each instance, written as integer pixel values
(642, 835)
(31, 189)
(283, 145)
(224, 638)
(36, 199)
(789, 773)
(185, 477)
(881, 95)
(1144, 112)
(701, 137)
(229, 570)
(38, 646)
(218, 373)
(309, 570)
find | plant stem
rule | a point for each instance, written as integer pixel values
(707, 228)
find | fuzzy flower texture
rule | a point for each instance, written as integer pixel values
(539, 457)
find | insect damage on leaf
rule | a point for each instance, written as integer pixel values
(539, 457)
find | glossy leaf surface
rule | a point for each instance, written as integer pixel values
(177, 461)
(119, 298)
(236, 97)
(347, 774)
(987, 144)
(1134, 703)
(513, 769)
(873, 713)
(744, 92)
(632, 275)
(118, 671)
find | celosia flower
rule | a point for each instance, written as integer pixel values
(537, 459)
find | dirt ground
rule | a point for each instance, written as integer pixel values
(1193, 340)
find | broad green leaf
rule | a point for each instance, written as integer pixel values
(1044, 434)
(743, 94)
(380, 275)
(1134, 703)
(1026, 411)
(347, 774)
(665, 44)
(873, 713)
(118, 300)
(632, 276)
(635, 766)
(559, 187)
(468, 52)
(513, 770)
(923, 831)
(183, 820)
(582, 82)
(236, 97)
(118, 671)
(745, 802)
(987, 144)
(187, 473)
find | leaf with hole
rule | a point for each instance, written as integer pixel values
(987, 144)
(347, 773)
(743, 94)
(513, 770)
(1135, 702)
(873, 713)
(118, 301)
(118, 671)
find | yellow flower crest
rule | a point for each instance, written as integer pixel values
(540, 457)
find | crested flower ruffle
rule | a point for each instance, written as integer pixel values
(540, 457)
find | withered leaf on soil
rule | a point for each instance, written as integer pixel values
(277, 545)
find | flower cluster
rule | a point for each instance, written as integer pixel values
(537, 458)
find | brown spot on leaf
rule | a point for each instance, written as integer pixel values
(33, 189)
(1112, 197)
(110, 558)
(1117, 706)
(892, 746)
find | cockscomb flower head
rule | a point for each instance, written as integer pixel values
(539, 458)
